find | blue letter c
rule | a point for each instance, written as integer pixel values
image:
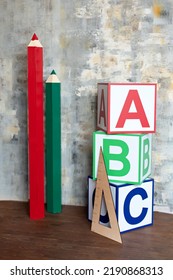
(134, 220)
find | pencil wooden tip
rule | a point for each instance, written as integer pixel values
(53, 78)
(53, 72)
(35, 42)
(34, 37)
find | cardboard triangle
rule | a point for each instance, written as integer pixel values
(102, 186)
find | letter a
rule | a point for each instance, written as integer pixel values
(132, 96)
(102, 113)
(102, 187)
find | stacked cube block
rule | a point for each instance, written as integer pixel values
(127, 157)
(134, 206)
(126, 120)
(126, 108)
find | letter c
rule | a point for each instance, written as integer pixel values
(134, 220)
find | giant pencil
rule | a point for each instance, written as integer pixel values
(35, 128)
(53, 144)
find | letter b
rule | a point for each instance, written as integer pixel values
(121, 157)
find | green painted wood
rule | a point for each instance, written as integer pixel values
(53, 146)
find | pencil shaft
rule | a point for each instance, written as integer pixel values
(35, 131)
(53, 147)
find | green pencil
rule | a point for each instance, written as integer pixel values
(53, 143)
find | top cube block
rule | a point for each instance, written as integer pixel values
(126, 108)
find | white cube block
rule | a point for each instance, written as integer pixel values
(133, 204)
(126, 108)
(127, 156)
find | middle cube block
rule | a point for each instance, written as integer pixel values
(127, 156)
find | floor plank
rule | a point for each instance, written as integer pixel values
(67, 236)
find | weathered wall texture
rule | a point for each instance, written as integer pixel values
(86, 42)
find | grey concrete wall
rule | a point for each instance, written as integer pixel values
(86, 42)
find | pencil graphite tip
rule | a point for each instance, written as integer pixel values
(34, 37)
(53, 72)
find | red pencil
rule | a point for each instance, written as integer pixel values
(35, 128)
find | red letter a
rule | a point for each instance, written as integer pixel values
(102, 109)
(132, 96)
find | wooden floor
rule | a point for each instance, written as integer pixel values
(68, 236)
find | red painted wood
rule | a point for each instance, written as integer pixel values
(35, 130)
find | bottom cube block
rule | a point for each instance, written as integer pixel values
(133, 204)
